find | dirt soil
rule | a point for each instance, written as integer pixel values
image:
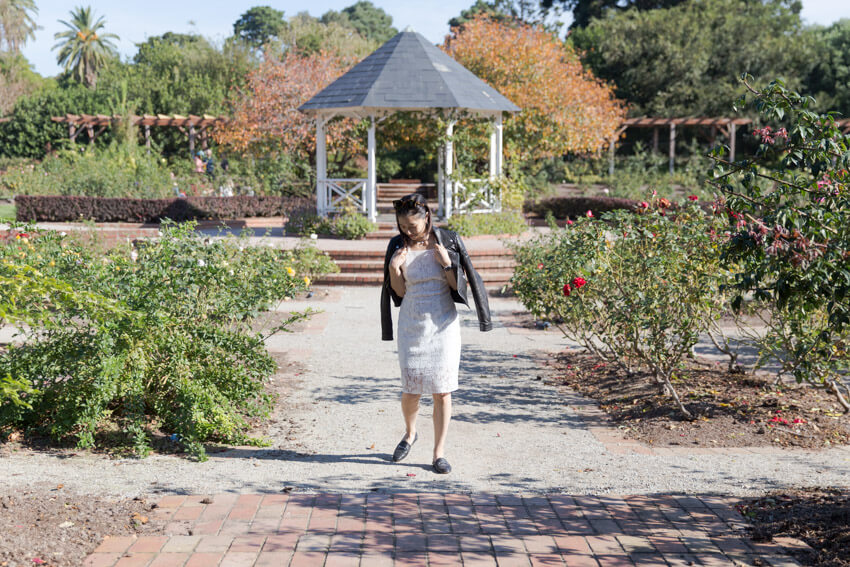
(818, 516)
(51, 526)
(729, 409)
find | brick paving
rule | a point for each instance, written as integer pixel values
(433, 529)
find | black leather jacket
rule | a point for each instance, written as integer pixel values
(463, 270)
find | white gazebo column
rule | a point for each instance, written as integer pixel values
(441, 185)
(321, 167)
(371, 199)
(496, 147)
(447, 168)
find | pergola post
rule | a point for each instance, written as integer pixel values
(732, 127)
(148, 137)
(672, 145)
(611, 156)
(191, 140)
(655, 139)
(370, 199)
(321, 166)
(448, 168)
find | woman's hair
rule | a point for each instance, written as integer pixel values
(412, 205)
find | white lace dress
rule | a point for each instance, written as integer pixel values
(428, 328)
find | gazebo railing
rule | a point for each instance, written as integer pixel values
(476, 196)
(336, 192)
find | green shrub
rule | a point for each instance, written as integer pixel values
(506, 222)
(175, 352)
(349, 224)
(634, 289)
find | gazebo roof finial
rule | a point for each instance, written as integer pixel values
(409, 29)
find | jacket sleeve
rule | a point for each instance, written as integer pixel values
(387, 293)
(479, 292)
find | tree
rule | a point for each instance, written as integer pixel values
(527, 11)
(17, 79)
(83, 50)
(259, 25)
(586, 10)
(686, 60)
(307, 35)
(564, 108)
(265, 117)
(370, 21)
(830, 77)
(17, 23)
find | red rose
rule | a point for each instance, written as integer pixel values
(643, 205)
(567, 290)
(589, 213)
(539, 266)
(693, 197)
(569, 221)
(578, 282)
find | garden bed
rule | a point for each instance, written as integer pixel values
(50, 525)
(730, 409)
(818, 516)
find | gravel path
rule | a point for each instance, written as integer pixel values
(510, 432)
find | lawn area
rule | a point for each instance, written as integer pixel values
(7, 212)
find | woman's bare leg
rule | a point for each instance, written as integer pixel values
(410, 407)
(442, 416)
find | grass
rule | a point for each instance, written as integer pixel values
(7, 212)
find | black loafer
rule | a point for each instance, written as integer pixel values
(442, 466)
(403, 448)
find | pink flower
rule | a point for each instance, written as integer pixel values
(569, 221)
(539, 266)
(782, 133)
(643, 205)
(589, 213)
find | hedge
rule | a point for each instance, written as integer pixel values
(565, 207)
(100, 209)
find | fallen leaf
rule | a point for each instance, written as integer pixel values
(372, 446)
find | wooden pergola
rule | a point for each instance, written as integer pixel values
(195, 127)
(727, 126)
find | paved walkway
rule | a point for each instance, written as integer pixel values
(441, 529)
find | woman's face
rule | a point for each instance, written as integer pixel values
(413, 226)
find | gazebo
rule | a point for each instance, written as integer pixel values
(407, 73)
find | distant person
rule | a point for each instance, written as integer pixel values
(210, 165)
(225, 165)
(199, 162)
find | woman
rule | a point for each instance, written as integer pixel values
(425, 271)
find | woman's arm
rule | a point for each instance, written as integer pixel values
(445, 262)
(396, 277)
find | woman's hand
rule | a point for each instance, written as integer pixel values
(442, 255)
(398, 259)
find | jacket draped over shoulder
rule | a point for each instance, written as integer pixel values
(463, 270)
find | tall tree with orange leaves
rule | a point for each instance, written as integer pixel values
(265, 117)
(565, 109)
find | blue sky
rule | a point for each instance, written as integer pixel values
(135, 20)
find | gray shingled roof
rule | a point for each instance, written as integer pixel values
(408, 73)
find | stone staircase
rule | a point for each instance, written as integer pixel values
(365, 265)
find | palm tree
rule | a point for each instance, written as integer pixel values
(17, 23)
(84, 51)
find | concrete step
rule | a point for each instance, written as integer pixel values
(477, 255)
(377, 265)
(491, 279)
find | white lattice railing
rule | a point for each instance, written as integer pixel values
(476, 196)
(337, 192)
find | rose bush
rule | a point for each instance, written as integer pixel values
(154, 338)
(790, 203)
(635, 289)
